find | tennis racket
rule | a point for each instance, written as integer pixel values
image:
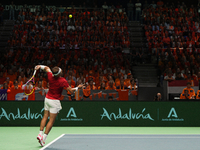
(30, 80)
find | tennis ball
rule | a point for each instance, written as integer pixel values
(70, 16)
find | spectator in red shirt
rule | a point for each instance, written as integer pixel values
(166, 41)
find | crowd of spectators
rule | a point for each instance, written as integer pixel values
(173, 33)
(88, 47)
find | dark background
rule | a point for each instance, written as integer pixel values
(91, 2)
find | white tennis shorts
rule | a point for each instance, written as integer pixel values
(53, 106)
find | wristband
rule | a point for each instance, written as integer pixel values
(76, 89)
(42, 67)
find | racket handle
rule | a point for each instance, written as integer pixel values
(34, 72)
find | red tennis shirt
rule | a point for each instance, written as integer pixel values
(56, 86)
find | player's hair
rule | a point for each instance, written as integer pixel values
(55, 71)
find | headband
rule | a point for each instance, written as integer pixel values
(57, 73)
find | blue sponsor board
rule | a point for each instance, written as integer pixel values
(3, 94)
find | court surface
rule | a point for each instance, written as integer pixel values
(24, 138)
(124, 142)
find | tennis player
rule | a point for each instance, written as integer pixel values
(52, 104)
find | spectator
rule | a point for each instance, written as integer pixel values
(105, 6)
(9, 83)
(16, 86)
(110, 98)
(186, 95)
(91, 85)
(19, 80)
(198, 94)
(39, 86)
(189, 89)
(33, 9)
(166, 41)
(29, 86)
(111, 85)
(5, 86)
(12, 11)
(70, 27)
(1, 14)
(153, 5)
(158, 97)
(138, 6)
(179, 77)
(130, 10)
(160, 3)
(169, 77)
(122, 86)
(102, 86)
(198, 6)
(133, 85)
(146, 5)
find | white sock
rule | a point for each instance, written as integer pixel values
(44, 137)
(41, 133)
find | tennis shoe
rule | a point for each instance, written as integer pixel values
(40, 140)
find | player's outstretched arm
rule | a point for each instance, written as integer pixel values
(72, 90)
(43, 67)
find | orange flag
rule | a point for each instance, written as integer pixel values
(94, 94)
(100, 94)
(114, 94)
(90, 97)
(80, 97)
(69, 97)
(134, 92)
(104, 95)
(40, 92)
(62, 97)
(86, 92)
(110, 94)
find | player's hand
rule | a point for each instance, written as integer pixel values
(37, 67)
(81, 86)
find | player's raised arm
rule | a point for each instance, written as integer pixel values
(43, 67)
(72, 90)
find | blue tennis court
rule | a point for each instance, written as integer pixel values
(124, 142)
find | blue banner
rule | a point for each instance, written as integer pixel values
(3, 94)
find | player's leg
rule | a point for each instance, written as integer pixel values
(42, 125)
(55, 107)
(49, 125)
(44, 120)
(50, 122)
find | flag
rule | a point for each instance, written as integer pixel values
(104, 95)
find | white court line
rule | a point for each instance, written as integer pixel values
(52, 142)
(136, 137)
(189, 136)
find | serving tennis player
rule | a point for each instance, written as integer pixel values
(52, 104)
